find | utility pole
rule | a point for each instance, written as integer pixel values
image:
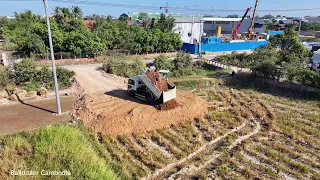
(191, 37)
(52, 59)
(200, 38)
(300, 26)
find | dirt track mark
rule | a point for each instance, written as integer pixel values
(191, 169)
(190, 156)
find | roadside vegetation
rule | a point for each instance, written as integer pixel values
(30, 77)
(62, 147)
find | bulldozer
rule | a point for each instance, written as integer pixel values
(152, 87)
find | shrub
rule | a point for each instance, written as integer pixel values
(30, 86)
(182, 72)
(162, 62)
(121, 67)
(309, 77)
(24, 71)
(266, 69)
(4, 77)
(182, 60)
(64, 77)
(44, 76)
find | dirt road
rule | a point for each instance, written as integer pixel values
(32, 115)
(94, 81)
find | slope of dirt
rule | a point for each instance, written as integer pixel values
(158, 80)
(115, 116)
(168, 105)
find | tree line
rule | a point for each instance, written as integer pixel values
(27, 33)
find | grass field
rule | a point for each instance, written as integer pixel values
(246, 135)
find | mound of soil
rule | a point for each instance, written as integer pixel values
(168, 105)
(158, 80)
(118, 116)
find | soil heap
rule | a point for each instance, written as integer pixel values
(121, 115)
(158, 80)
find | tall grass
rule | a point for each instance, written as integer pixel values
(56, 148)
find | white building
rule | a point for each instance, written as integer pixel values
(189, 28)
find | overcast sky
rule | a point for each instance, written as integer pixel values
(7, 7)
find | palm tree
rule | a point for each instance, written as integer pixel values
(76, 12)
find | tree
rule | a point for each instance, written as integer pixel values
(76, 12)
(268, 16)
(143, 16)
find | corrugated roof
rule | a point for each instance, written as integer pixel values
(187, 19)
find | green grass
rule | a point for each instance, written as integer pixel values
(61, 147)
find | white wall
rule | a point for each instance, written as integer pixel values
(184, 28)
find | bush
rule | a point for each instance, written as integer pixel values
(182, 60)
(309, 77)
(266, 69)
(64, 77)
(182, 72)
(30, 86)
(162, 62)
(24, 71)
(4, 77)
(121, 67)
(44, 76)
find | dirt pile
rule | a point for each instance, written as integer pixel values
(118, 116)
(158, 80)
(168, 105)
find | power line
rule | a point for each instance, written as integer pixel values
(176, 8)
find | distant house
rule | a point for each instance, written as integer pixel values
(133, 22)
(89, 23)
(314, 20)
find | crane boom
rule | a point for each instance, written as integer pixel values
(235, 32)
(251, 28)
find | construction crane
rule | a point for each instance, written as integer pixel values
(235, 32)
(251, 28)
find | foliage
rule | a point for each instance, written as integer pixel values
(28, 33)
(182, 60)
(44, 78)
(121, 67)
(236, 59)
(64, 77)
(26, 74)
(24, 71)
(308, 77)
(310, 27)
(30, 86)
(162, 62)
(4, 77)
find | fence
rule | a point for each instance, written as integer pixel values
(222, 47)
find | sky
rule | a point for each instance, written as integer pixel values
(8, 7)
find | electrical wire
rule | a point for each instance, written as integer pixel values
(175, 8)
